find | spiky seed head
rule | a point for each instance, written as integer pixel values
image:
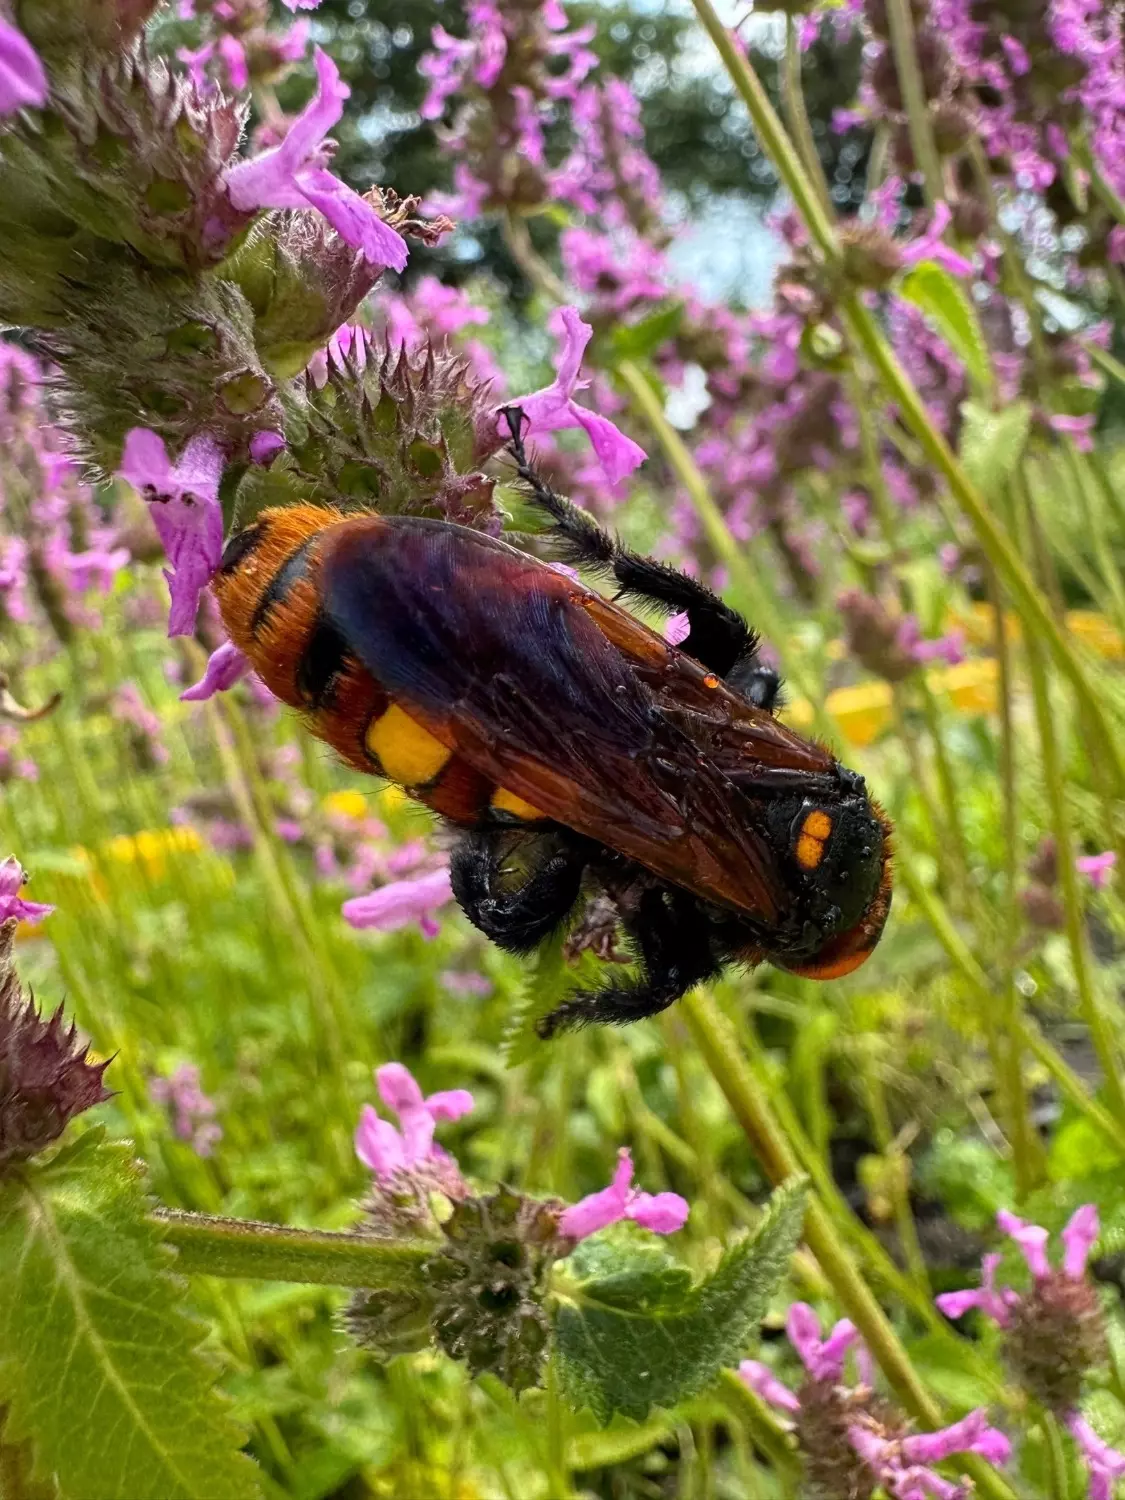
(399, 431)
(45, 1077)
(490, 1284)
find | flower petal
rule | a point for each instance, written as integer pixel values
(763, 1382)
(663, 1213)
(225, 666)
(23, 83)
(1032, 1240)
(1079, 1238)
(378, 1144)
(449, 1104)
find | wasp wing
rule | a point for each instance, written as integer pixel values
(561, 697)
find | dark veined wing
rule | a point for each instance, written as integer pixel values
(561, 697)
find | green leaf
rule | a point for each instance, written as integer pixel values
(98, 1362)
(639, 340)
(943, 299)
(992, 443)
(636, 1333)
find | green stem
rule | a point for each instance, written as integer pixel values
(957, 949)
(997, 548)
(1100, 1034)
(1058, 1484)
(1027, 1153)
(771, 133)
(914, 97)
(272, 1252)
(794, 100)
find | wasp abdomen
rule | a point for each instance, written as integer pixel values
(269, 595)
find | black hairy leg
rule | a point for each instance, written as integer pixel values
(517, 885)
(672, 932)
(718, 637)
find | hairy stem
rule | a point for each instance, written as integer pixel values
(905, 49)
(272, 1252)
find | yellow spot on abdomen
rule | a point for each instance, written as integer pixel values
(810, 852)
(506, 801)
(818, 825)
(407, 753)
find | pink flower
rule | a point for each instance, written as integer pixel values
(994, 1304)
(387, 1150)
(196, 63)
(233, 55)
(554, 408)
(763, 1382)
(265, 446)
(23, 83)
(300, 4)
(225, 667)
(663, 1213)
(1078, 1238)
(393, 906)
(294, 175)
(184, 501)
(948, 648)
(1105, 1465)
(1081, 429)
(929, 246)
(902, 1463)
(1097, 867)
(12, 906)
(822, 1358)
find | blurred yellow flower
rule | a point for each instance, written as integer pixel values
(346, 804)
(151, 847)
(971, 686)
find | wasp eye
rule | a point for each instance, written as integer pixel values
(811, 835)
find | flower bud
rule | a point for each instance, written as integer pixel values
(393, 429)
(490, 1284)
(871, 257)
(61, 30)
(45, 1079)
(1056, 1335)
(833, 1469)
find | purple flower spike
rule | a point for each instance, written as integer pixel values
(994, 1304)
(1079, 1238)
(1097, 868)
(295, 175)
(23, 83)
(554, 408)
(224, 668)
(763, 1382)
(1105, 1465)
(184, 505)
(822, 1358)
(663, 1213)
(1032, 1240)
(403, 901)
(12, 905)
